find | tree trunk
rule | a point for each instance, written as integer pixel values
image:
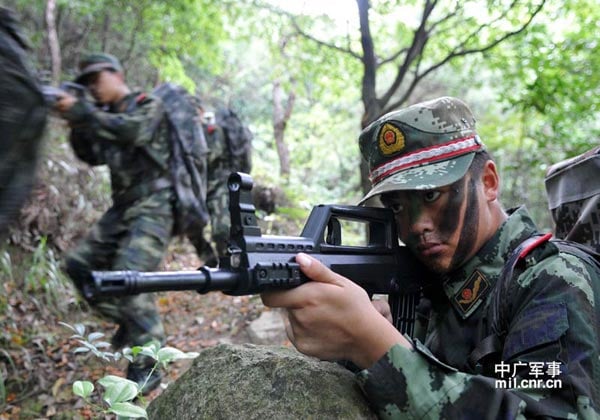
(281, 115)
(53, 43)
(105, 32)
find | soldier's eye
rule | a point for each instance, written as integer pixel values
(431, 196)
(396, 207)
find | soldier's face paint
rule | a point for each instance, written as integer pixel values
(468, 242)
(439, 226)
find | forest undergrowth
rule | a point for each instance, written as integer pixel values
(37, 361)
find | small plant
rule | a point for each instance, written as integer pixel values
(6, 266)
(119, 393)
(38, 276)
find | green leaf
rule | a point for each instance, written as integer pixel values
(149, 349)
(102, 344)
(169, 354)
(95, 335)
(81, 350)
(110, 380)
(69, 326)
(80, 329)
(87, 344)
(150, 352)
(126, 409)
(120, 392)
(83, 388)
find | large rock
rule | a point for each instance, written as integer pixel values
(268, 328)
(261, 382)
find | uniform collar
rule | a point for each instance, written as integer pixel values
(469, 286)
(123, 104)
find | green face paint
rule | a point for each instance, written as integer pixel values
(468, 235)
(443, 225)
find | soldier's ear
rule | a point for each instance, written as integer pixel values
(490, 181)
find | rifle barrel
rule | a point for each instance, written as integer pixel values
(127, 282)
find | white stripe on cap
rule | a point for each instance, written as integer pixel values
(425, 156)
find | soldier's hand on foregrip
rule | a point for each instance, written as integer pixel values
(332, 318)
(65, 102)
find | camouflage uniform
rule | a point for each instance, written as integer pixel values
(131, 138)
(217, 196)
(553, 321)
(22, 118)
(551, 315)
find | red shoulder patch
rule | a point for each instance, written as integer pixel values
(533, 245)
(140, 98)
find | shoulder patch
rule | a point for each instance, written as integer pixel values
(473, 291)
(141, 98)
(534, 244)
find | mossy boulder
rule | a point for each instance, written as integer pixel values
(261, 382)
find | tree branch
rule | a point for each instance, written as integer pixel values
(460, 51)
(320, 42)
(303, 33)
(457, 52)
(420, 38)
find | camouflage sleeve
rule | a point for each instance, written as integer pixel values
(135, 128)
(81, 137)
(550, 365)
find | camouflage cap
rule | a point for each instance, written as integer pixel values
(94, 63)
(424, 146)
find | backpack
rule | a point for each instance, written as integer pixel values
(187, 167)
(238, 138)
(573, 191)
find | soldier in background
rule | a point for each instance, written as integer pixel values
(130, 136)
(217, 194)
(22, 119)
(573, 192)
(482, 333)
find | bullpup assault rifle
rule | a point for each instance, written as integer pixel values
(256, 263)
(52, 94)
